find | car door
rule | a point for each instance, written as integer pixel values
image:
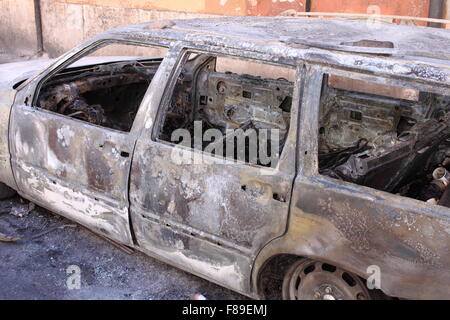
(212, 218)
(72, 167)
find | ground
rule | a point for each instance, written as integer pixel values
(35, 267)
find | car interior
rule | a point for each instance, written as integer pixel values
(392, 139)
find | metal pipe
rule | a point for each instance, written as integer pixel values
(441, 174)
(438, 187)
(38, 24)
(436, 10)
(308, 6)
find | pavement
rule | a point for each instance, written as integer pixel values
(41, 264)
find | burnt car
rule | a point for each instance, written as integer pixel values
(342, 194)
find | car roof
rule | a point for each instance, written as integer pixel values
(331, 34)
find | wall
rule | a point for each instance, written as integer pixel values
(66, 25)
(17, 30)
(225, 7)
(404, 7)
(267, 7)
(447, 12)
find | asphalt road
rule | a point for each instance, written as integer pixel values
(37, 265)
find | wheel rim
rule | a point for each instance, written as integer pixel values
(313, 280)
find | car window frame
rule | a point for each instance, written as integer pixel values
(307, 151)
(230, 53)
(307, 165)
(30, 89)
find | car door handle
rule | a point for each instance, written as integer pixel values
(259, 190)
(255, 189)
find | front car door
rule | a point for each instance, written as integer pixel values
(74, 167)
(212, 216)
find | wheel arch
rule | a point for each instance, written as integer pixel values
(279, 252)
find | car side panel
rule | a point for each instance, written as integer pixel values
(73, 168)
(359, 228)
(6, 101)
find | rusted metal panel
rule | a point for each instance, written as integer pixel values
(354, 228)
(210, 197)
(189, 250)
(206, 201)
(73, 168)
(303, 39)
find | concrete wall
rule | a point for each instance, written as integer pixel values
(415, 8)
(66, 25)
(447, 11)
(224, 7)
(17, 28)
(220, 7)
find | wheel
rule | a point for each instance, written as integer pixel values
(313, 280)
(6, 192)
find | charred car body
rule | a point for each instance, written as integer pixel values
(360, 178)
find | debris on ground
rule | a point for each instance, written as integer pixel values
(48, 246)
(199, 296)
(6, 238)
(22, 210)
(120, 246)
(40, 234)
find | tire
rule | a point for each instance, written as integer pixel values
(6, 192)
(307, 279)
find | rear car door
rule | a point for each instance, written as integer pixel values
(211, 217)
(77, 168)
